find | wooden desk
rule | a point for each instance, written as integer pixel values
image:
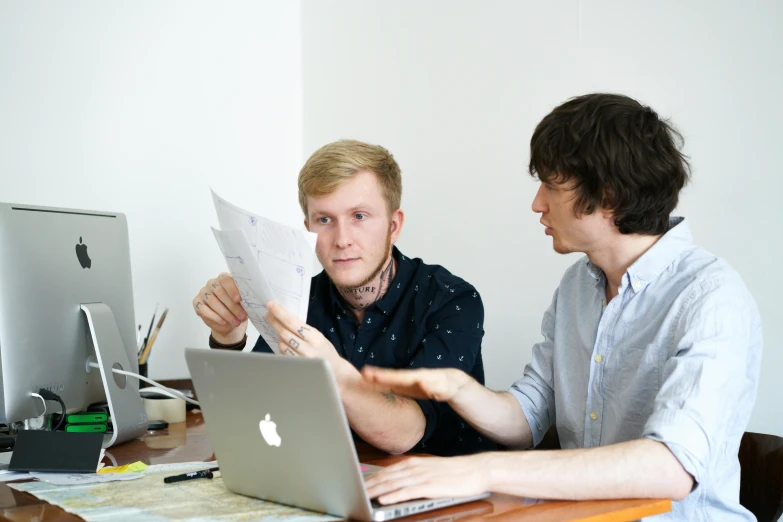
(188, 441)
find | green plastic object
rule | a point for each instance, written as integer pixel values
(86, 428)
(86, 418)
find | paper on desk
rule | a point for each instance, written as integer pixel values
(10, 476)
(268, 260)
(70, 479)
(177, 466)
(5, 458)
(135, 467)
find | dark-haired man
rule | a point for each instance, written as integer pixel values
(650, 359)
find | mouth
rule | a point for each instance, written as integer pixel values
(345, 261)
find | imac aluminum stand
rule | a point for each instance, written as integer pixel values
(128, 417)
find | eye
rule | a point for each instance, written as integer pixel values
(323, 220)
(359, 216)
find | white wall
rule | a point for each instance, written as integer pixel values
(455, 88)
(140, 107)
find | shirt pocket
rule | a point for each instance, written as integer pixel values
(636, 383)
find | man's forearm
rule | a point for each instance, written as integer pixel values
(387, 421)
(496, 415)
(635, 469)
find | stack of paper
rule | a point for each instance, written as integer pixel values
(8, 476)
(268, 260)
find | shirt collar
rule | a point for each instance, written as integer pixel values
(661, 255)
(388, 302)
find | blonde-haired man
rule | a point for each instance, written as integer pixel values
(370, 305)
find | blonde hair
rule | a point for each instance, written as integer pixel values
(335, 163)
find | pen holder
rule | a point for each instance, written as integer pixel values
(143, 370)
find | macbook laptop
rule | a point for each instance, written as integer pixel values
(279, 431)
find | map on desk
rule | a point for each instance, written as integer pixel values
(148, 499)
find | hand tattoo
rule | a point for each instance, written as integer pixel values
(294, 343)
(206, 296)
(197, 305)
(301, 331)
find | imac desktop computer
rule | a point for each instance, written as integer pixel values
(66, 301)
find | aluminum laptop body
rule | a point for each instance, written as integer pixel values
(280, 433)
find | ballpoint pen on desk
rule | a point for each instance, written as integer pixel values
(145, 354)
(205, 473)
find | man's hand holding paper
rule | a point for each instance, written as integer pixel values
(218, 305)
(267, 261)
(296, 338)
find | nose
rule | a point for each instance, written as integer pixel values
(343, 238)
(540, 204)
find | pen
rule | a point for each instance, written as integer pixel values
(152, 322)
(145, 353)
(205, 473)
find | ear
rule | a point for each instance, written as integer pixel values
(307, 225)
(607, 200)
(397, 219)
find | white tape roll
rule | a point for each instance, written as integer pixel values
(169, 409)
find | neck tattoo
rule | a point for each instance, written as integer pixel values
(361, 297)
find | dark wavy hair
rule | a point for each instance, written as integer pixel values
(621, 156)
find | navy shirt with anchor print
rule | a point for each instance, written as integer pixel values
(429, 318)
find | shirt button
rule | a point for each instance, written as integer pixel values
(603, 302)
(593, 415)
(352, 336)
(598, 358)
(637, 284)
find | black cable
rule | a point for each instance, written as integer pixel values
(51, 396)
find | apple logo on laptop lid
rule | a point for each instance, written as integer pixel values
(269, 431)
(81, 253)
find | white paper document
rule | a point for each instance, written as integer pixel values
(5, 458)
(70, 479)
(268, 260)
(10, 476)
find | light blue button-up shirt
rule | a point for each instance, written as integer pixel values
(674, 357)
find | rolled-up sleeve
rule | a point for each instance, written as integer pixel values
(709, 383)
(535, 390)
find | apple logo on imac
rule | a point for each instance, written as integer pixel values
(269, 432)
(81, 253)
